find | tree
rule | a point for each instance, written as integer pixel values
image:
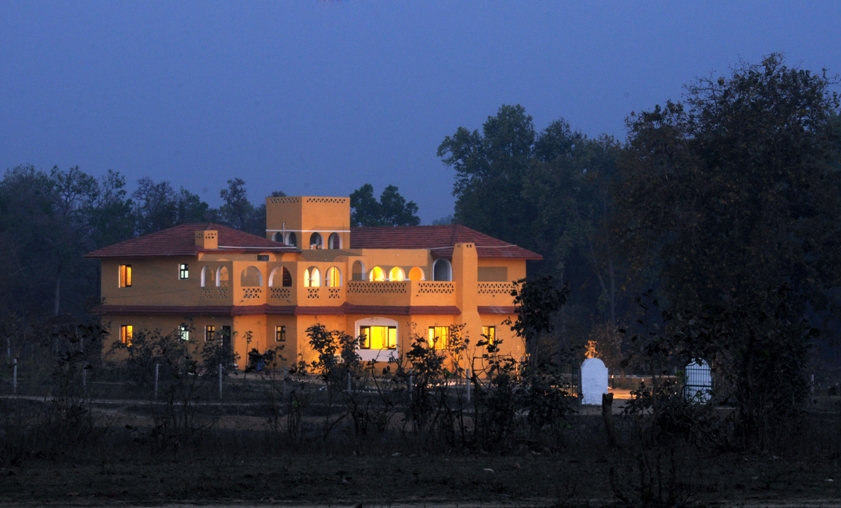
(158, 206)
(391, 210)
(549, 192)
(48, 221)
(733, 192)
(238, 212)
(491, 169)
(536, 302)
(732, 199)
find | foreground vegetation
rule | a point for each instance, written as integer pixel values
(154, 428)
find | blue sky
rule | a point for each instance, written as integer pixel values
(319, 97)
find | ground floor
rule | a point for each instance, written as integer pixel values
(383, 337)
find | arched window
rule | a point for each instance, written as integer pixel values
(280, 276)
(334, 241)
(222, 277)
(333, 278)
(358, 271)
(292, 239)
(377, 274)
(251, 276)
(278, 237)
(312, 277)
(441, 270)
(316, 242)
(396, 274)
(416, 273)
(206, 276)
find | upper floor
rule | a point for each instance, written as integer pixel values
(200, 265)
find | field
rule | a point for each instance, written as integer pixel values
(239, 458)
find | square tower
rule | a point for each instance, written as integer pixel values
(309, 222)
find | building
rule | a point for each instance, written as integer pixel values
(387, 284)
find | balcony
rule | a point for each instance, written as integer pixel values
(402, 293)
(497, 294)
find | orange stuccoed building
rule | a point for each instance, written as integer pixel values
(386, 284)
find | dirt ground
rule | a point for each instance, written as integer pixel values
(304, 479)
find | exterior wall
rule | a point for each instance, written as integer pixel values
(154, 282)
(304, 215)
(478, 294)
(160, 324)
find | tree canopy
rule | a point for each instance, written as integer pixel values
(735, 190)
(391, 210)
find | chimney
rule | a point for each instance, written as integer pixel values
(207, 239)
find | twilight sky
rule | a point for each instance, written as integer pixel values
(319, 97)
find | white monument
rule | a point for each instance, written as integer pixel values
(593, 381)
(699, 382)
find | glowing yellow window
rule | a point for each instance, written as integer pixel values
(312, 277)
(126, 332)
(334, 277)
(125, 276)
(489, 333)
(396, 274)
(378, 337)
(209, 333)
(377, 274)
(438, 336)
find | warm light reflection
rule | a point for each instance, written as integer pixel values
(438, 337)
(396, 274)
(416, 273)
(334, 277)
(378, 337)
(377, 274)
(312, 277)
(126, 332)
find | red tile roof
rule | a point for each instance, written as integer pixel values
(439, 239)
(180, 241)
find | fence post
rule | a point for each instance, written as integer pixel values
(15, 376)
(467, 378)
(348, 383)
(84, 377)
(285, 375)
(411, 383)
(157, 371)
(220, 381)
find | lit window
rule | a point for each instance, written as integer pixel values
(209, 333)
(334, 277)
(312, 277)
(280, 333)
(183, 271)
(125, 276)
(438, 336)
(184, 330)
(489, 332)
(126, 332)
(377, 274)
(396, 274)
(378, 337)
(416, 273)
